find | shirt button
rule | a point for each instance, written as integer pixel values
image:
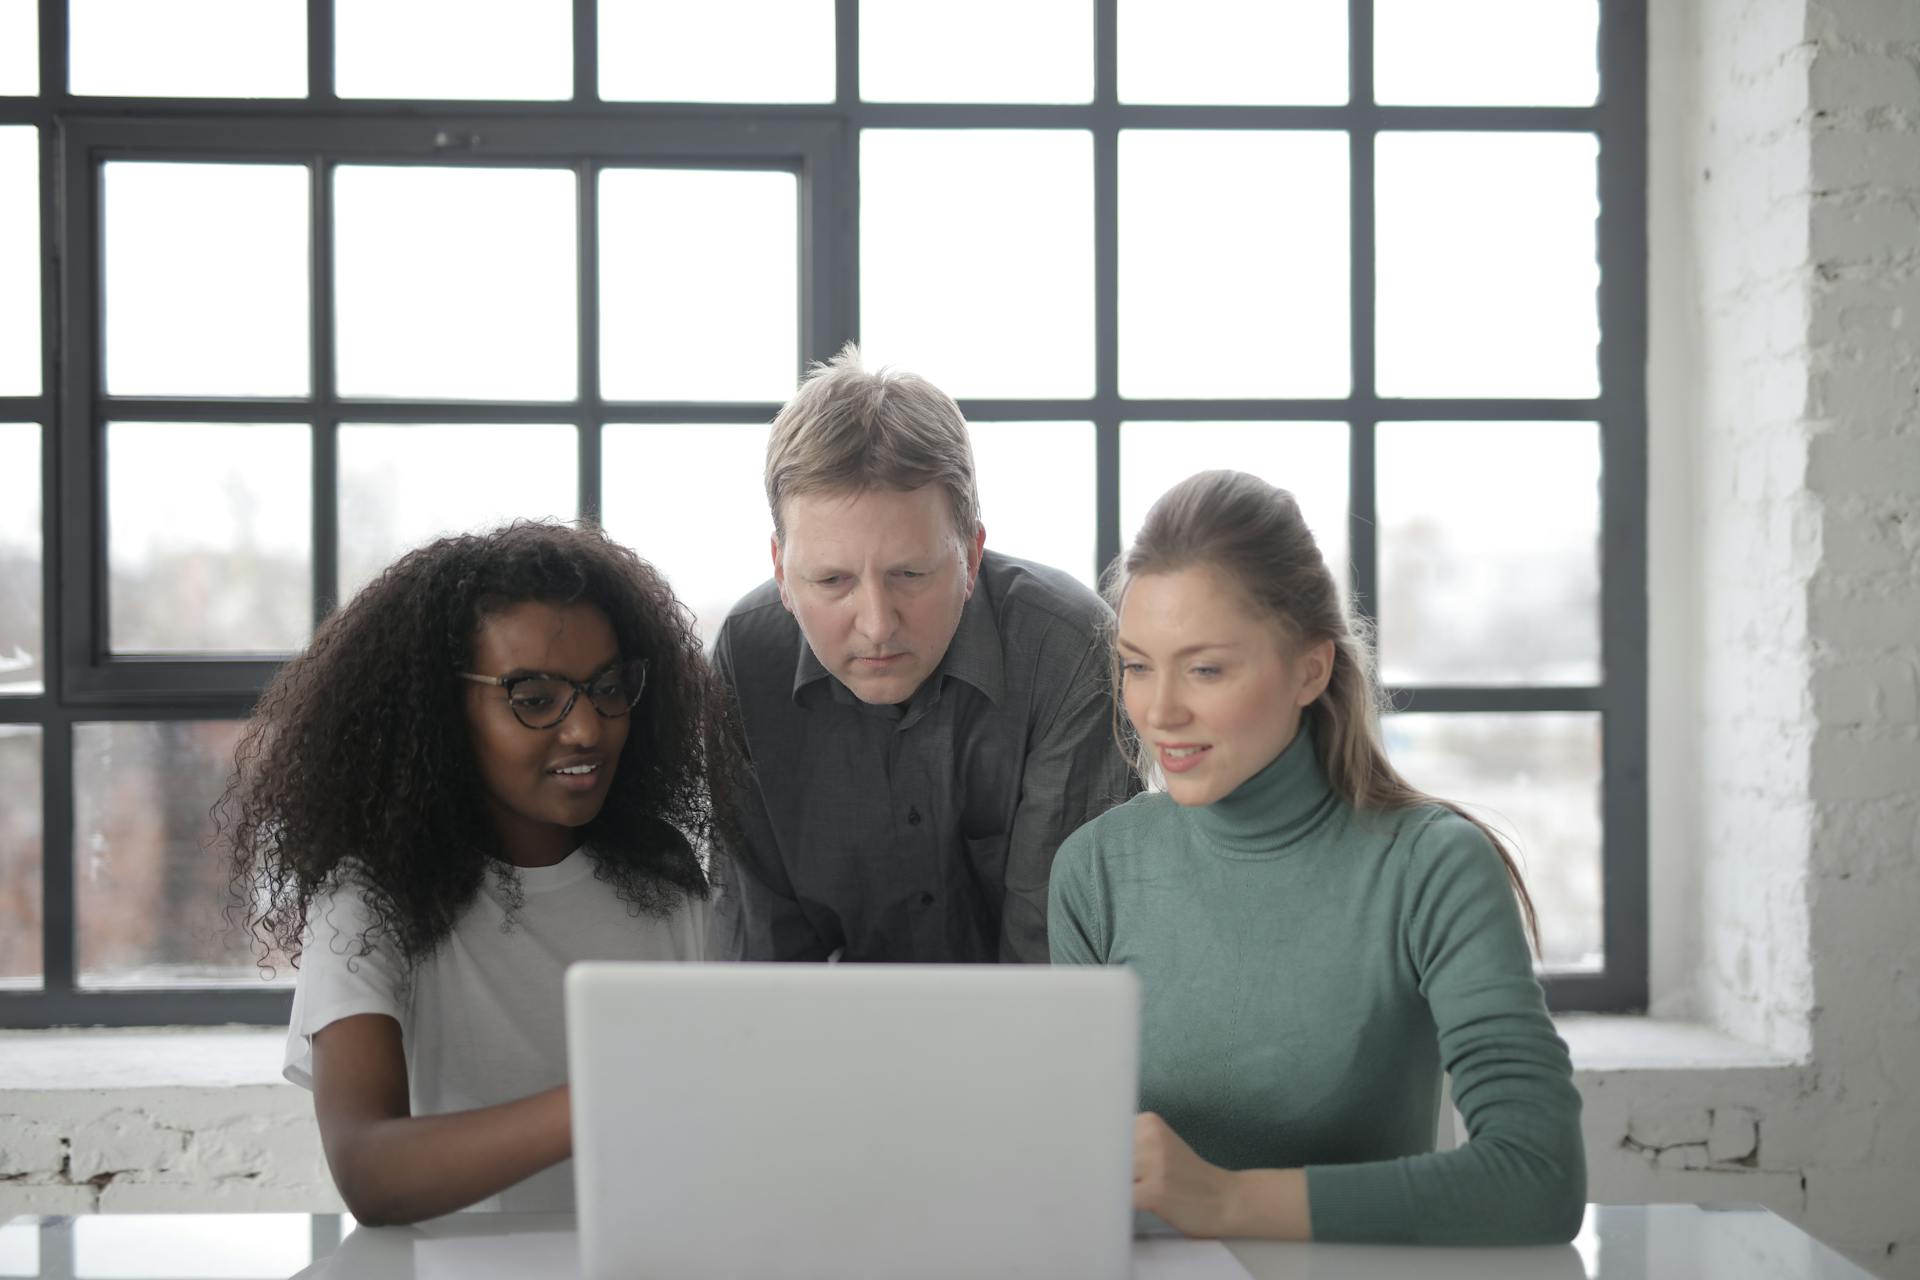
(926, 899)
(913, 817)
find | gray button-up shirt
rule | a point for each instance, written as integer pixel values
(921, 832)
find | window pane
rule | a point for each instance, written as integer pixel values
(1487, 267)
(1307, 459)
(699, 284)
(1251, 52)
(976, 259)
(21, 670)
(1518, 53)
(148, 892)
(453, 49)
(456, 283)
(976, 51)
(404, 486)
(19, 48)
(1233, 264)
(19, 260)
(208, 527)
(716, 51)
(1037, 496)
(188, 48)
(191, 1246)
(660, 480)
(1536, 778)
(206, 279)
(20, 845)
(1489, 552)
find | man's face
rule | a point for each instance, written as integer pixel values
(876, 580)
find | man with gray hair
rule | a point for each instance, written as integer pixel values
(925, 720)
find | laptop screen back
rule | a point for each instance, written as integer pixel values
(853, 1120)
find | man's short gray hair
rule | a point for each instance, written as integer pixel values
(847, 431)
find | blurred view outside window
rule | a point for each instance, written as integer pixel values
(1233, 264)
(716, 51)
(1486, 267)
(1037, 491)
(311, 356)
(19, 48)
(988, 293)
(471, 49)
(699, 284)
(1468, 53)
(148, 894)
(665, 481)
(455, 283)
(1307, 459)
(959, 51)
(216, 558)
(1534, 778)
(1489, 552)
(395, 495)
(19, 260)
(20, 840)
(206, 279)
(20, 563)
(1233, 52)
(187, 48)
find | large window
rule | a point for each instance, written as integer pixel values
(287, 288)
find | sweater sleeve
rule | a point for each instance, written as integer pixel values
(1521, 1176)
(1076, 914)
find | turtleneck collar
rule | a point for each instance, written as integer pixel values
(1269, 814)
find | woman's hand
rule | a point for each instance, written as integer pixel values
(1202, 1199)
(1187, 1193)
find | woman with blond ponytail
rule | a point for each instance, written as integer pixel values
(1316, 939)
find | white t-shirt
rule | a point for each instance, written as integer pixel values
(482, 1019)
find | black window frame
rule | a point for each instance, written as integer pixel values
(820, 143)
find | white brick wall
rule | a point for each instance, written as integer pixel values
(1864, 618)
(1748, 204)
(144, 1121)
(1785, 518)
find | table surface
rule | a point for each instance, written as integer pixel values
(1655, 1242)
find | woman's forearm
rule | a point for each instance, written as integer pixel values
(1268, 1204)
(406, 1168)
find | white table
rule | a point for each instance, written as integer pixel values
(1658, 1242)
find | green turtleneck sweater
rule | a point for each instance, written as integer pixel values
(1308, 972)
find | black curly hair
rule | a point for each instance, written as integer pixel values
(356, 771)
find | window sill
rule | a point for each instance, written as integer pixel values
(1605, 1043)
(142, 1058)
(199, 1119)
(201, 1058)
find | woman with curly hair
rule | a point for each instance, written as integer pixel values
(499, 758)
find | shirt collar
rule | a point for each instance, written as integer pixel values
(974, 656)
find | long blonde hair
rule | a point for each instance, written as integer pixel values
(1252, 533)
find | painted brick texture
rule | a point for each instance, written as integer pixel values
(1802, 185)
(162, 1150)
(1864, 619)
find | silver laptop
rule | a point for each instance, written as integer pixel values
(853, 1121)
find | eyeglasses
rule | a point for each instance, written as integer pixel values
(541, 701)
